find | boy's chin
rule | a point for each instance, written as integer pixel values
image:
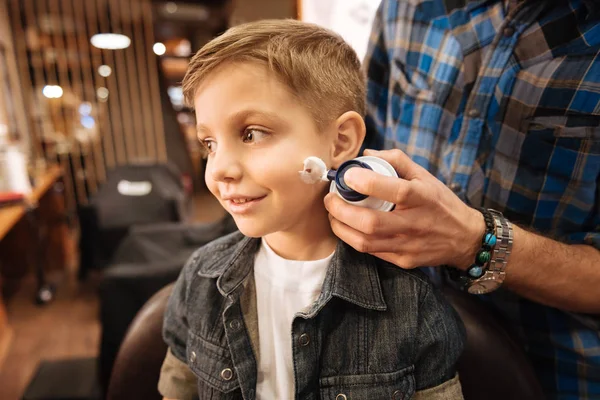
(251, 230)
(251, 234)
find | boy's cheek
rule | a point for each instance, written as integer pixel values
(212, 186)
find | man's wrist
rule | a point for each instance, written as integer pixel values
(471, 242)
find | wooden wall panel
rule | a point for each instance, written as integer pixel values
(84, 130)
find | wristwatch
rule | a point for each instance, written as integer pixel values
(494, 275)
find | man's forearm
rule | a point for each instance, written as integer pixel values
(553, 273)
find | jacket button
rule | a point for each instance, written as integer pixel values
(341, 396)
(509, 31)
(397, 395)
(193, 356)
(235, 325)
(304, 339)
(227, 374)
(473, 113)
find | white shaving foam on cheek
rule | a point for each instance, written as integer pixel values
(314, 171)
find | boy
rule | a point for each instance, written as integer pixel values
(283, 309)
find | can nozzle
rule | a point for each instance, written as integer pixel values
(314, 171)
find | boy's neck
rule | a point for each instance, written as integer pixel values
(313, 241)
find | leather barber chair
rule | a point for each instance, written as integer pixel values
(493, 364)
(137, 367)
(492, 367)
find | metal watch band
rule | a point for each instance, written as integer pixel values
(503, 248)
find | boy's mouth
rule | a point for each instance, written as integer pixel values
(240, 201)
(241, 204)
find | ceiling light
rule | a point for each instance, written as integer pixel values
(184, 11)
(183, 49)
(104, 70)
(52, 91)
(110, 41)
(171, 7)
(176, 96)
(159, 48)
(88, 122)
(102, 93)
(85, 108)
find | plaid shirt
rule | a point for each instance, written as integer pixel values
(501, 101)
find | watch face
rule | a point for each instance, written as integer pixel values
(483, 286)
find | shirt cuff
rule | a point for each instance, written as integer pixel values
(176, 380)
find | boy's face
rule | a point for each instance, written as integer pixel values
(258, 136)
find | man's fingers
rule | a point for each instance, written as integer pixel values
(397, 259)
(370, 183)
(404, 166)
(388, 249)
(364, 243)
(367, 221)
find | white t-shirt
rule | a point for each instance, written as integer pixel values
(283, 288)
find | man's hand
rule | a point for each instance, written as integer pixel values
(430, 225)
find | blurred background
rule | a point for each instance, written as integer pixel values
(101, 176)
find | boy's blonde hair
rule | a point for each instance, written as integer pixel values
(319, 67)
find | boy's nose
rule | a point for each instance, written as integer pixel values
(224, 166)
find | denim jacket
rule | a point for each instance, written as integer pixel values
(376, 331)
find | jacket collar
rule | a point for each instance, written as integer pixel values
(351, 276)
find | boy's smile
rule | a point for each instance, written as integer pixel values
(257, 134)
(239, 204)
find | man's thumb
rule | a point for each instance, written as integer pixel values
(404, 166)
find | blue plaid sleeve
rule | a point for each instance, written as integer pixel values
(589, 238)
(377, 71)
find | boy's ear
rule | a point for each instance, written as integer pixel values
(350, 132)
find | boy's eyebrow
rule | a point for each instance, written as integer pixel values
(244, 114)
(201, 128)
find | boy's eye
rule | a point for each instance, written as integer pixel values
(252, 135)
(209, 145)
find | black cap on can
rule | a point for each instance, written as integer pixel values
(338, 176)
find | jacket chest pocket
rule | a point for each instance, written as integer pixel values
(212, 365)
(399, 385)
